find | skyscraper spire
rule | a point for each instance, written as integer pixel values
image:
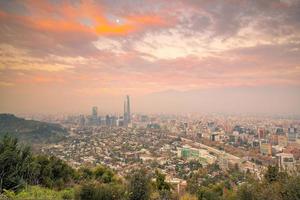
(127, 114)
(128, 110)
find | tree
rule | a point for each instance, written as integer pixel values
(206, 193)
(85, 173)
(272, 174)
(61, 172)
(193, 183)
(14, 164)
(51, 172)
(103, 174)
(194, 165)
(110, 192)
(139, 185)
(86, 192)
(162, 186)
(291, 189)
(246, 192)
(101, 192)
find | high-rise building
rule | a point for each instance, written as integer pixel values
(127, 114)
(108, 120)
(113, 120)
(128, 109)
(292, 134)
(120, 121)
(81, 120)
(95, 111)
(94, 117)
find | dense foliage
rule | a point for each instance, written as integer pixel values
(37, 192)
(18, 167)
(15, 164)
(139, 185)
(50, 172)
(101, 192)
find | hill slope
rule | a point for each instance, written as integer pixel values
(30, 130)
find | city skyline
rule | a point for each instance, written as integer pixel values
(188, 56)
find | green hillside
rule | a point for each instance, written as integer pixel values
(30, 130)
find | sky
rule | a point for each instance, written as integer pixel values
(233, 56)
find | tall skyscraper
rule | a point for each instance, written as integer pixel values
(94, 118)
(127, 114)
(95, 111)
(128, 109)
(108, 120)
(81, 120)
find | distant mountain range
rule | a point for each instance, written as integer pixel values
(30, 131)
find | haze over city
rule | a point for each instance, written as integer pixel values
(185, 56)
(150, 99)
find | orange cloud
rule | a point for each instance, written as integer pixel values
(111, 29)
(59, 26)
(132, 24)
(66, 17)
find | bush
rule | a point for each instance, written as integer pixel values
(139, 185)
(67, 194)
(101, 192)
(37, 192)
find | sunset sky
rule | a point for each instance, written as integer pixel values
(231, 56)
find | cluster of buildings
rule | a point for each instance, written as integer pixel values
(263, 141)
(202, 155)
(171, 142)
(109, 120)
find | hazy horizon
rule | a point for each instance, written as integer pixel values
(186, 56)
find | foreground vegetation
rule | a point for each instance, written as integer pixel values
(27, 176)
(38, 192)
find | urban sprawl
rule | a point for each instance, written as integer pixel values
(171, 142)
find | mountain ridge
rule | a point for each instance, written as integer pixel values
(30, 131)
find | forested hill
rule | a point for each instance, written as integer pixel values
(30, 131)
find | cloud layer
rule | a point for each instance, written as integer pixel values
(93, 51)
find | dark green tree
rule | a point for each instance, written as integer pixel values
(101, 192)
(14, 164)
(51, 172)
(193, 183)
(103, 174)
(139, 185)
(207, 193)
(194, 165)
(272, 174)
(246, 192)
(162, 186)
(85, 174)
(86, 192)
(291, 188)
